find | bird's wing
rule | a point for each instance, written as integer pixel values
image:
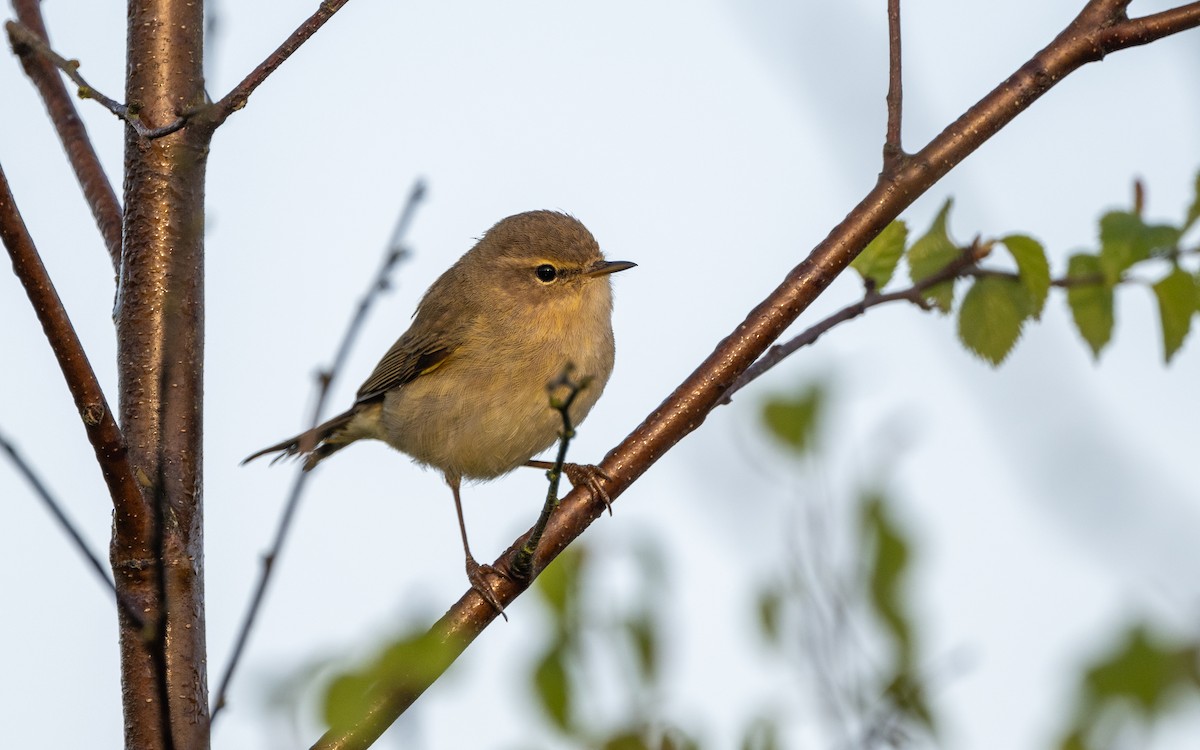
(412, 356)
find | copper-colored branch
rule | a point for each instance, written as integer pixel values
(238, 96)
(1099, 29)
(97, 190)
(56, 509)
(395, 252)
(893, 150)
(98, 421)
(26, 42)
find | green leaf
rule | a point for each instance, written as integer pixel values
(762, 734)
(553, 687)
(1125, 239)
(932, 252)
(644, 638)
(559, 583)
(991, 317)
(1145, 672)
(1176, 293)
(625, 740)
(770, 610)
(1091, 300)
(877, 262)
(1032, 268)
(793, 421)
(887, 570)
(1193, 212)
(345, 698)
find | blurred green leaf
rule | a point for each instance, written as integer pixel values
(1176, 293)
(345, 699)
(1073, 741)
(929, 254)
(1193, 212)
(770, 609)
(558, 584)
(626, 740)
(1032, 268)
(1091, 303)
(877, 262)
(794, 420)
(991, 317)
(886, 577)
(553, 686)
(1144, 671)
(673, 738)
(907, 694)
(1126, 239)
(644, 638)
(762, 734)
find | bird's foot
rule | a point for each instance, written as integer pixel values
(589, 475)
(478, 576)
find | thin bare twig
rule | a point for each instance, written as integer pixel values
(56, 509)
(21, 35)
(1101, 28)
(238, 96)
(396, 251)
(103, 433)
(97, 190)
(893, 150)
(522, 565)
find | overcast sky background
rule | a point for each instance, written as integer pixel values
(714, 143)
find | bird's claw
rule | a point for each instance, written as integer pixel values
(589, 475)
(478, 574)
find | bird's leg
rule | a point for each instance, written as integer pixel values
(587, 475)
(476, 573)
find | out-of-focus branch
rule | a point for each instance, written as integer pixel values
(56, 509)
(1101, 28)
(396, 251)
(97, 189)
(238, 96)
(98, 421)
(23, 37)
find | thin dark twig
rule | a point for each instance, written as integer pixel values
(237, 97)
(522, 565)
(20, 34)
(396, 251)
(56, 509)
(893, 151)
(959, 267)
(97, 190)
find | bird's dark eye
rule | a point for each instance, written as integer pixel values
(546, 273)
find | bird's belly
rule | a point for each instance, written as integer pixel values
(467, 421)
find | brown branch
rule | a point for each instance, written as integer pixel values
(102, 430)
(893, 150)
(240, 94)
(1099, 29)
(25, 38)
(97, 190)
(396, 251)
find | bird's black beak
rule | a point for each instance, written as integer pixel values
(605, 267)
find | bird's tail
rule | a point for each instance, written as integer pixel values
(313, 445)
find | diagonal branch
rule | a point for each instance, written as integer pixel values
(102, 430)
(97, 189)
(237, 98)
(1100, 28)
(56, 509)
(25, 41)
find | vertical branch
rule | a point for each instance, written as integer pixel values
(97, 189)
(160, 319)
(893, 151)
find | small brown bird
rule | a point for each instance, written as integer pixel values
(467, 388)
